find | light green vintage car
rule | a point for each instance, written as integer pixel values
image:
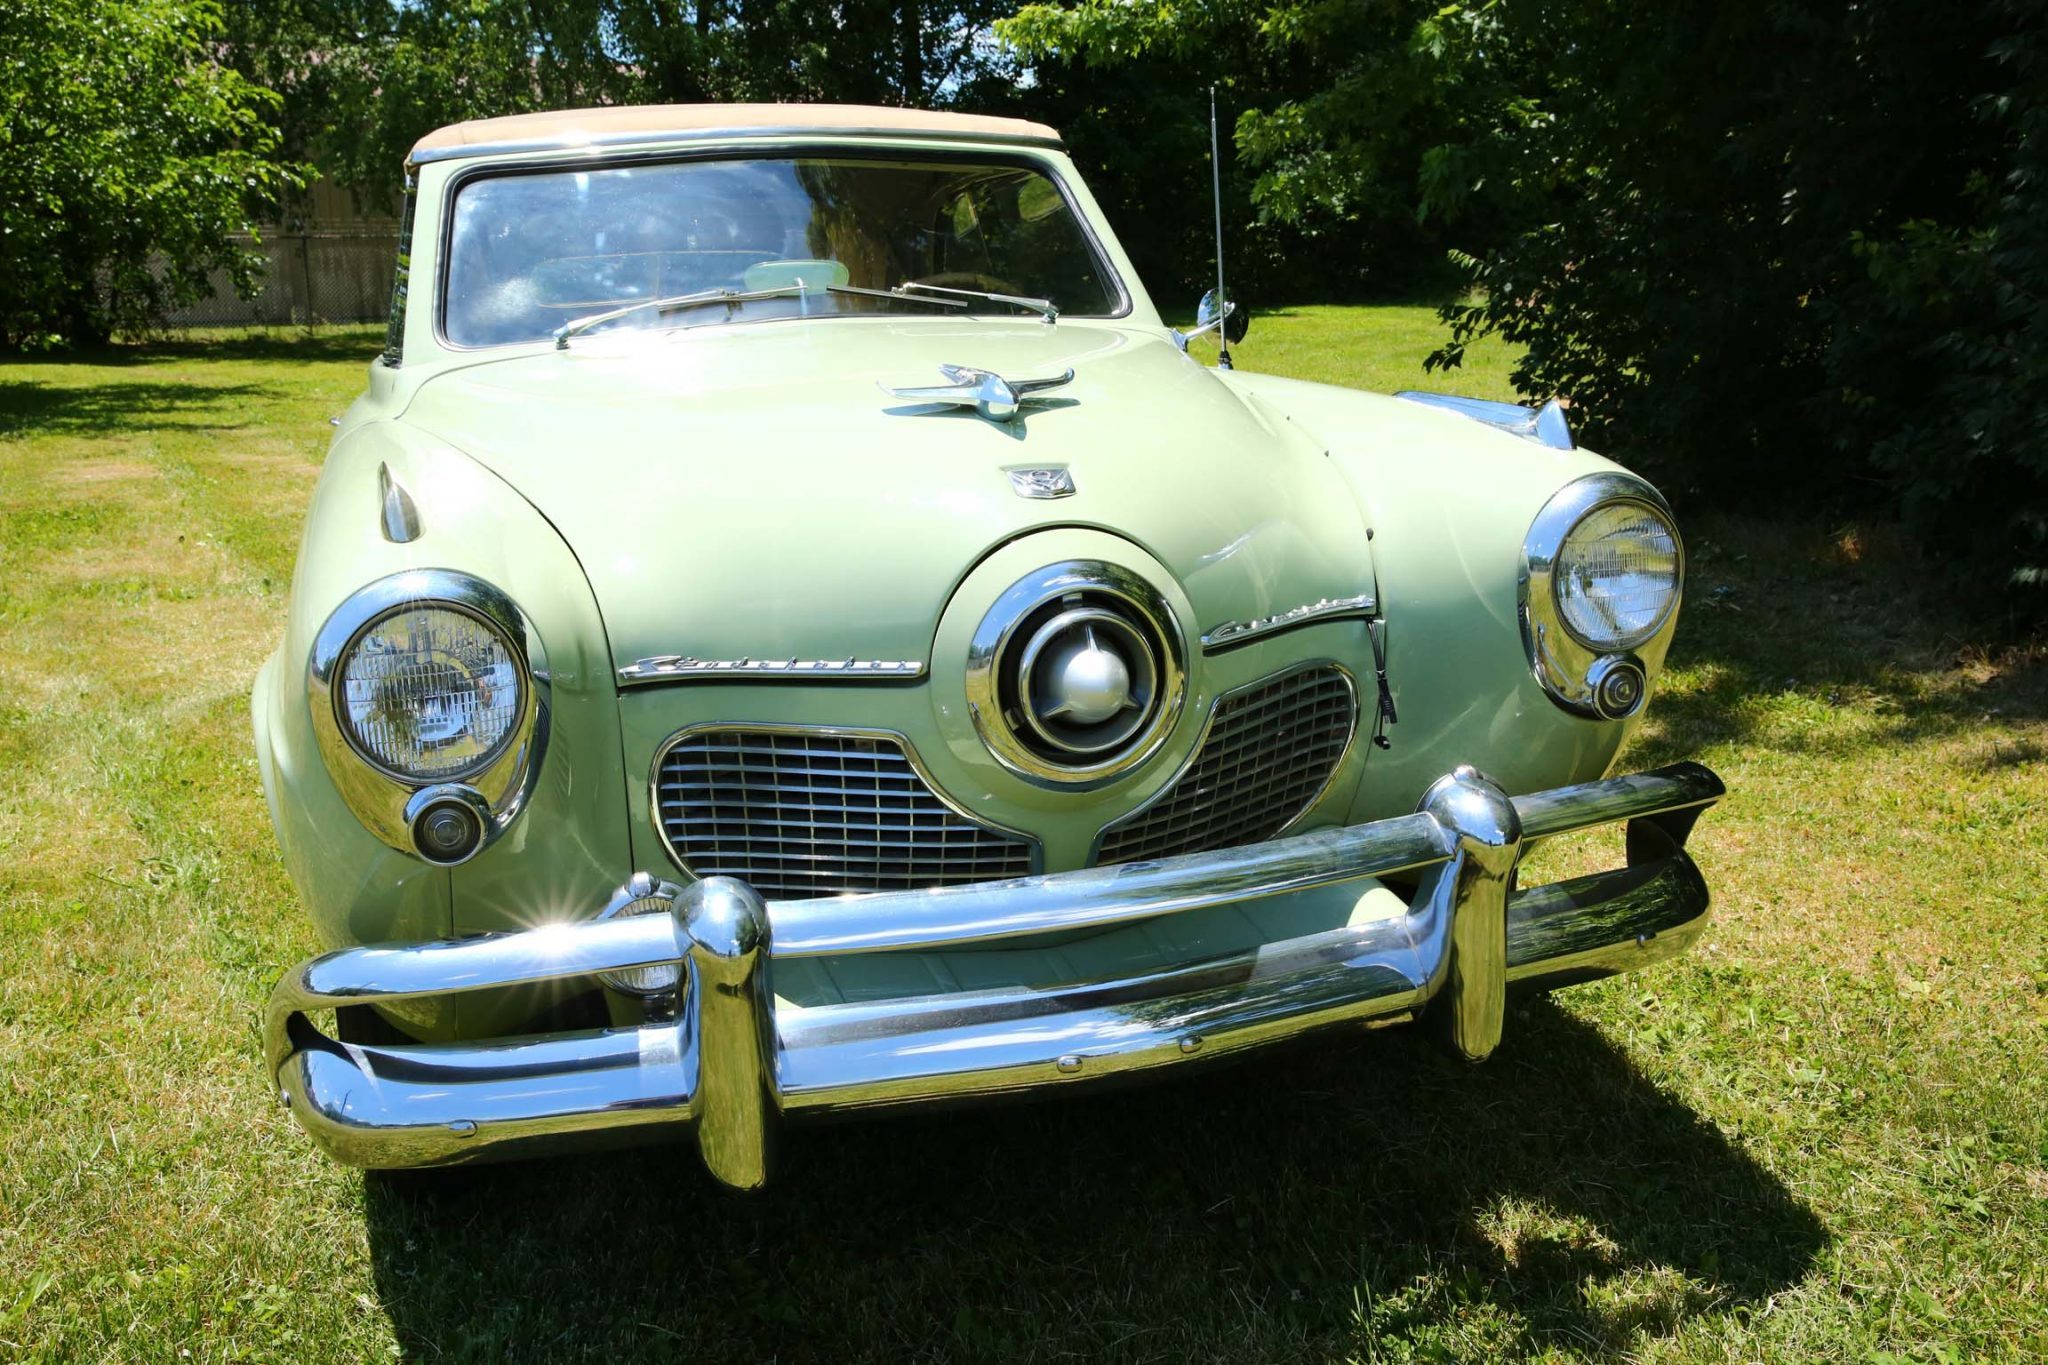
(789, 630)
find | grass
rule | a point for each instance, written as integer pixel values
(1824, 1135)
(1368, 348)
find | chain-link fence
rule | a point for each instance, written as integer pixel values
(317, 276)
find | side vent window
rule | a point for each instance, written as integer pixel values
(394, 337)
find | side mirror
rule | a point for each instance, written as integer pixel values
(1234, 318)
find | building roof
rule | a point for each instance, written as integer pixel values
(654, 122)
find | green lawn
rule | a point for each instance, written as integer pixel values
(1823, 1136)
(1367, 348)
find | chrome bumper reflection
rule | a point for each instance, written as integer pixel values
(731, 1063)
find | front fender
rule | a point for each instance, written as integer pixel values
(1449, 504)
(572, 837)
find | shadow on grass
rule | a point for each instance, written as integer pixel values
(1782, 630)
(103, 409)
(1304, 1204)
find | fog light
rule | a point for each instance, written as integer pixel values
(644, 896)
(447, 824)
(1619, 686)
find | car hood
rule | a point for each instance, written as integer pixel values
(751, 492)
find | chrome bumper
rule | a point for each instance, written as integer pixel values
(731, 1063)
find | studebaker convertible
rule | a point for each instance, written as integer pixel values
(790, 630)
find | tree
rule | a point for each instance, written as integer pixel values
(1771, 250)
(1783, 254)
(363, 79)
(1333, 107)
(129, 159)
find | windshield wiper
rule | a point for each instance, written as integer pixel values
(675, 303)
(930, 295)
(896, 293)
(910, 291)
(1043, 307)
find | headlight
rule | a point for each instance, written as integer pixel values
(1617, 575)
(430, 705)
(429, 693)
(1603, 570)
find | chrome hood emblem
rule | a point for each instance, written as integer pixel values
(988, 393)
(1048, 482)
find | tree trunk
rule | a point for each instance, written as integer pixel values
(911, 19)
(678, 65)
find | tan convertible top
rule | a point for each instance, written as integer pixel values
(654, 122)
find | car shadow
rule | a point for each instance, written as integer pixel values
(1301, 1204)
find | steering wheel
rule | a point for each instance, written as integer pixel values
(969, 279)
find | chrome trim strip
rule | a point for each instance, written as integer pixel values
(601, 143)
(733, 1060)
(896, 737)
(1568, 670)
(401, 516)
(1230, 634)
(687, 667)
(1546, 426)
(1208, 727)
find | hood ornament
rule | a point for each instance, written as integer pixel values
(988, 393)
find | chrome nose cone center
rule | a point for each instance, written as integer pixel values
(1075, 675)
(1089, 684)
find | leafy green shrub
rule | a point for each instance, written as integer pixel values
(1783, 254)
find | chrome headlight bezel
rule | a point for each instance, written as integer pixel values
(388, 800)
(1603, 682)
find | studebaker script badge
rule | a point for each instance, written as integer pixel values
(1235, 632)
(665, 666)
(1054, 482)
(988, 393)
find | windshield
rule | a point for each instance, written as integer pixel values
(529, 252)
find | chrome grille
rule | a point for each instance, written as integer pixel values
(1270, 751)
(796, 813)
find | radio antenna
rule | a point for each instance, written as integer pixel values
(1216, 183)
